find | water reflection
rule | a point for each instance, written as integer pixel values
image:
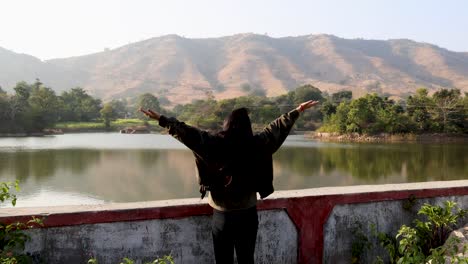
(41, 164)
(167, 170)
(111, 175)
(369, 164)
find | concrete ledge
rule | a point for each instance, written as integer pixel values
(360, 189)
(181, 206)
(107, 213)
(308, 210)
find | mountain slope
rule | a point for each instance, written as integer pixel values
(185, 69)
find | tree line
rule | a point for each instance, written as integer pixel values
(34, 107)
(446, 111)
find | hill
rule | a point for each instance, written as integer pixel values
(183, 69)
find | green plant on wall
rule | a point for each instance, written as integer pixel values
(421, 243)
(424, 242)
(440, 222)
(12, 236)
(360, 244)
(164, 260)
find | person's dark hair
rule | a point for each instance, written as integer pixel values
(237, 125)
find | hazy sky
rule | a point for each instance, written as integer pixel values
(64, 28)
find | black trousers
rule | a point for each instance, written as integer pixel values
(235, 230)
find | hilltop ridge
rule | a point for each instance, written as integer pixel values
(183, 69)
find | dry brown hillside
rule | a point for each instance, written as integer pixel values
(183, 69)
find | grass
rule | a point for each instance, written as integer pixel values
(79, 125)
(99, 125)
(131, 122)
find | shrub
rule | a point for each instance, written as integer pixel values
(12, 236)
(421, 243)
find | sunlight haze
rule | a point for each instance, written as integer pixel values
(53, 29)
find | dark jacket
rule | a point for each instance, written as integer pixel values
(211, 151)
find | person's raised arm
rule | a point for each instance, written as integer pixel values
(151, 114)
(195, 139)
(306, 105)
(276, 132)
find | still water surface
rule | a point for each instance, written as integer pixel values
(110, 167)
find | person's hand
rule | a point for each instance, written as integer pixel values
(151, 114)
(306, 105)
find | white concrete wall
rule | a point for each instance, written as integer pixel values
(188, 240)
(182, 228)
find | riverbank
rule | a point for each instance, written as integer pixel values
(115, 126)
(90, 127)
(35, 134)
(385, 137)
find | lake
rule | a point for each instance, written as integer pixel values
(93, 168)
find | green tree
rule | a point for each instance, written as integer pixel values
(44, 107)
(22, 91)
(360, 116)
(4, 112)
(328, 108)
(448, 110)
(77, 105)
(31, 109)
(374, 114)
(224, 108)
(202, 113)
(20, 108)
(164, 101)
(148, 101)
(341, 96)
(120, 108)
(108, 114)
(465, 113)
(418, 107)
(70, 106)
(305, 93)
(392, 119)
(302, 94)
(284, 102)
(90, 108)
(268, 112)
(369, 114)
(338, 121)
